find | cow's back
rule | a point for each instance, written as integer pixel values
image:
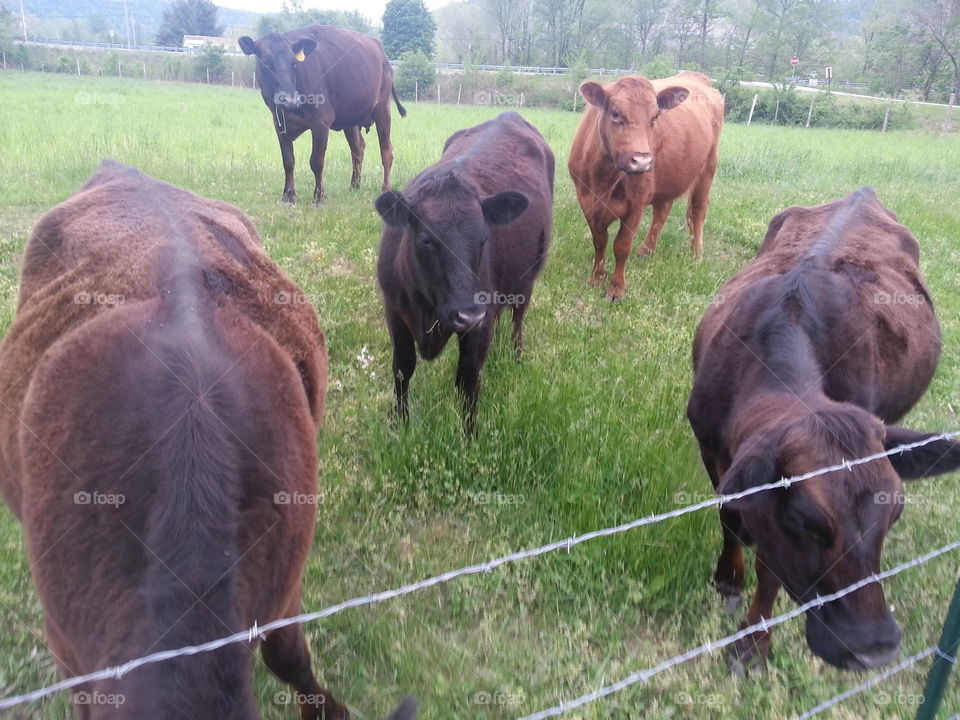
(860, 266)
(348, 71)
(686, 136)
(508, 153)
(108, 247)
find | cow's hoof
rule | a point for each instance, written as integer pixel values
(616, 293)
(749, 655)
(731, 603)
(288, 199)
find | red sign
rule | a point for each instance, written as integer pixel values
(794, 60)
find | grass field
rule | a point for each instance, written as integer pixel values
(589, 431)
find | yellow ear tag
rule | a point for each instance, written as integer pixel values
(300, 56)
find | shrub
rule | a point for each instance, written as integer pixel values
(414, 70)
(211, 63)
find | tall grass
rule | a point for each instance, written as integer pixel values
(588, 431)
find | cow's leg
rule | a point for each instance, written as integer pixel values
(320, 136)
(697, 207)
(621, 251)
(285, 653)
(659, 218)
(600, 236)
(755, 648)
(518, 312)
(729, 575)
(473, 352)
(404, 361)
(286, 155)
(381, 117)
(356, 143)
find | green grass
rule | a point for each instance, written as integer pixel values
(589, 431)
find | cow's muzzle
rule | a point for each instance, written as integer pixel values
(635, 163)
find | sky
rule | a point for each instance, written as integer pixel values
(373, 9)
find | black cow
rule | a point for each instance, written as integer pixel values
(319, 78)
(466, 238)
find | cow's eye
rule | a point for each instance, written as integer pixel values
(615, 116)
(424, 240)
(803, 524)
(655, 118)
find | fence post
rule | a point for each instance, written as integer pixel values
(416, 91)
(943, 661)
(231, 78)
(4, 60)
(119, 68)
(78, 66)
(752, 106)
(776, 111)
(438, 93)
(946, 120)
(810, 111)
(886, 118)
(521, 99)
(459, 90)
(208, 76)
(574, 100)
(144, 69)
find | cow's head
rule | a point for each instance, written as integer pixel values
(826, 533)
(446, 228)
(276, 59)
(629, 111)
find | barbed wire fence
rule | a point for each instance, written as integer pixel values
(257, 632)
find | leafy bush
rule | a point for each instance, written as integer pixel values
(414, 70)
(211, 60)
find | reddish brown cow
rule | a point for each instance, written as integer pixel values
(641, 143)
(157, 440)
(824, 338)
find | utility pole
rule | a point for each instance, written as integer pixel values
(126, 21)
(23, 21)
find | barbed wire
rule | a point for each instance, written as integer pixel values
(259, 631)
(869, 683)
(763, 626)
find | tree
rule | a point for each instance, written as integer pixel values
(941, 21)
(415, 74)
(188, 17)
(290, 19)
(6, 27)
(408, 26)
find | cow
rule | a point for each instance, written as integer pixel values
(805, 359)
(644, 142)
(322, 78)
(161, 399)
(465, 239)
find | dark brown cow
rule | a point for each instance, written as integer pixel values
(466, 239)
(323, 78)
(158, 442)
(802, 360)
(644, 142)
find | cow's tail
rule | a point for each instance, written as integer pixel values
(400, 108)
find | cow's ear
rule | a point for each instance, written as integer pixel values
(504, 207)
(303, 47)
(757, 466)
(594, 94)
(935, 458)
(248, 45)
(393, 208)
(670, 97)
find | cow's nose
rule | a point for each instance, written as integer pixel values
(467, 320)
(639, 162)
